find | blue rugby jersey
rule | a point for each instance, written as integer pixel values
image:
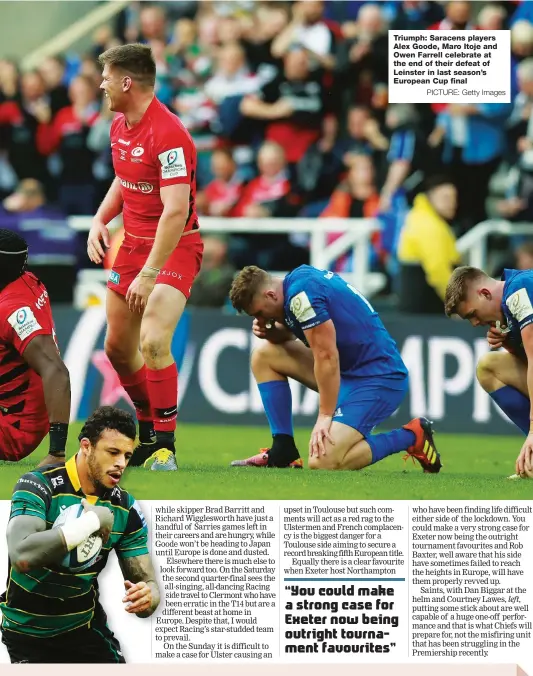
(517, 303)
(312, 297)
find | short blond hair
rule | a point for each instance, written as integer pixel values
(458, 286)
(246, 284)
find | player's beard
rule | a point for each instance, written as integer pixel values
(96, 474)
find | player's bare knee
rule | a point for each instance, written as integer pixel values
(323, 462)
(264, 356)
(154, 349)
(487, 367)
(115, 353)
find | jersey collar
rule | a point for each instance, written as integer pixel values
(72, 472)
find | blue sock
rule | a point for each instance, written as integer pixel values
(388, 443)
(277, 401)
(514, 404)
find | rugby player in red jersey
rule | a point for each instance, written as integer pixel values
(34, 381)
(155, 188)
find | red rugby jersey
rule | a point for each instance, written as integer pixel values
(24, 313)
(156, 152)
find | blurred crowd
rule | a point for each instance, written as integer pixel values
(287, 104)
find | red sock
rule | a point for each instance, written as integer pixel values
(163, 391)
(136, 386)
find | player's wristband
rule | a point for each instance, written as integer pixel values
(58, 438)
(148, 271)
(77, 531)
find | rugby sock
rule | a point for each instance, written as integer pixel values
(136, 386)
(388, 443)
(146, 432)
(137, 389)
(514, 404)
(277, 402)
(163, 391)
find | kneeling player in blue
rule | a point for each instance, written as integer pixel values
(506, 307)
(322, 332)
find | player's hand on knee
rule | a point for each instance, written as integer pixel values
(105, 516)
(138, 597)
(495, 338)
(97, 234)
(320, 435)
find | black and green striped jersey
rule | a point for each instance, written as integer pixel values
(51, 600)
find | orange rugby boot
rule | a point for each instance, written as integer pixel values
(424, 449)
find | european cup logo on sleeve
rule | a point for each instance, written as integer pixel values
(173, 163)
(519, 304)
(24, 322)
(301, 307)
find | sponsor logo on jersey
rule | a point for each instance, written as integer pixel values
(36, 485)
(41, 301)
(140, 187)
(125, 143)
(171, 273)
(172, 163)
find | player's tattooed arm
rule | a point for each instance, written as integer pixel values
(142, 590)
(31, 546)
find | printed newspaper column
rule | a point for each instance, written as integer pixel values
(344, 591)
(450, 66)
(469, 581)
(219, 568)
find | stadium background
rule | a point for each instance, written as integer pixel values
(340, 150)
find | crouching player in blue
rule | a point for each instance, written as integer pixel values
(322, 332)
(506, 307)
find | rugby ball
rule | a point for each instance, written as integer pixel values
(85, 554)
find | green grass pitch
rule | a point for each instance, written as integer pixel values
(475, 468)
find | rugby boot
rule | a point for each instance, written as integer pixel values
(163, 460)
(143, 452)
(261, 460)
(424, 449)
(147, 448)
